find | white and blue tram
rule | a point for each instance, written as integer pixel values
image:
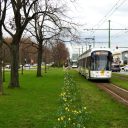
(96, 63)
(74, 63)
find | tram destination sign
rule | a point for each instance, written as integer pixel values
(101, 53)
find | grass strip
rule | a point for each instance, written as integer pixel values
(103, 110)
(35, 103)
(120, 80)
(71, 112)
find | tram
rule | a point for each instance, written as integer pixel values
(74, 63)
(96, 63)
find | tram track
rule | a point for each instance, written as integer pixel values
(116, 92)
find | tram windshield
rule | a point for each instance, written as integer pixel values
(101, 60)
(74, 64)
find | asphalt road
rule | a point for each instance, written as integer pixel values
(122, 72)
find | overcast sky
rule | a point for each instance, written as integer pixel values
(96, 13)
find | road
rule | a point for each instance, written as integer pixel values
(122, 72)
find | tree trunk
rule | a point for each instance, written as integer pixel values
(39, 61)
(45, 62)
(1, 83)
(14, 80)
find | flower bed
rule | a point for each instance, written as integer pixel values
(71, 113)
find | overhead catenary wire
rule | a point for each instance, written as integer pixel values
(110, 12)
(121, 32)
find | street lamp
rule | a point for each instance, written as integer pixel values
(3, 71)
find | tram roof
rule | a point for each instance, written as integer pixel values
(88, 52)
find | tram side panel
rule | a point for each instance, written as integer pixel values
(84, 67)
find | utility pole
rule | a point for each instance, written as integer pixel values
(82, 49)
(79, 51)
(4, 66)
(93, 41)
(88, 41)
(45, 48)
(109, 38)
(109, 32)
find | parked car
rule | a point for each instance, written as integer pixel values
(126, 68)
(122, 68)
(8, 66)
(34, 65)
(27, 66)
(115, 68)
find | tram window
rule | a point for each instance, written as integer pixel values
(88, 62)
(92, 58)
(83, 62)
(110, 57)
(79, 62)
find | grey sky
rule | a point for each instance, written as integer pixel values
(96, 13)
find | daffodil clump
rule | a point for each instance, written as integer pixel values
(71, 114)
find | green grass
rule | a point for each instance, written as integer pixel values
(117, 74)
(104, 112)
(34, 105)
(119, 81)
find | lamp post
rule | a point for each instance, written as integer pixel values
(109, 38)
(3, 66)
(3, 71)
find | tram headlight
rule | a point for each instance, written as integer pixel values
(108, 73)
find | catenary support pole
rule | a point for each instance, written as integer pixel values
(109, 36)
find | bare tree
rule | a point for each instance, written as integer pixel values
(45, 26)
(3, 7)
(28, 52)
(22, 15)
(60, 54)
(50, 26)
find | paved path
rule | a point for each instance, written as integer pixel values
(122, 72)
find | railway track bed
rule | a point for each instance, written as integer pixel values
(116, 92)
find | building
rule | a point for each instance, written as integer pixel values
(120, 57)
